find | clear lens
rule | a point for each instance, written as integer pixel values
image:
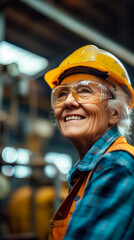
(84, 91)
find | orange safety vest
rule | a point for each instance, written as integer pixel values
(60, 221)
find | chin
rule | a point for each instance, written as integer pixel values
(71, 134)
(76, 135)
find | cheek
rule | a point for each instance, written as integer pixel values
(98, 116)
(57, 113)
(95, 111)
(95, 119)
(102, 117)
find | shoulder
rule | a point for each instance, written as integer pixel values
(116, 159)
(112, 176)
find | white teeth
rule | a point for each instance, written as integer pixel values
(73, 118)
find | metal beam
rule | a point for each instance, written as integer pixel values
(83, 30)
(2, 36)
(2, 27)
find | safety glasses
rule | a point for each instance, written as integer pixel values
(84, 91)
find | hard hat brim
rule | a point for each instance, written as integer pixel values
(52, 76)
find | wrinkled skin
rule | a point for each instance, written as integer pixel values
(96, 119)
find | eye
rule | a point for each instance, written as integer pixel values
(84, 90)
(61, 94)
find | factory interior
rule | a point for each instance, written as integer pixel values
(35, 36)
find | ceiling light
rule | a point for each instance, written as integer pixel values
(23, 156)
(7, 170)
(62, 161)
(9, 154)
(28, 63)
(50, 171)
(22, 171)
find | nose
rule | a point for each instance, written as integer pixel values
(71, 101)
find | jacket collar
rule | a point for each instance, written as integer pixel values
(93, 155)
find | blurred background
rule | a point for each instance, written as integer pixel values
(35, 36)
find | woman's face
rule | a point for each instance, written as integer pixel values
(82, 123)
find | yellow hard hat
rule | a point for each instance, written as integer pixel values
(91, 56)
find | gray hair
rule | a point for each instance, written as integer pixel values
(120, 103)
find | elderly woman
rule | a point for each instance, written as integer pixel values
(92, 98)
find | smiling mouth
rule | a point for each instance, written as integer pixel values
(69, 118)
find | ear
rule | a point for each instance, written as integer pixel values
(114, 117)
